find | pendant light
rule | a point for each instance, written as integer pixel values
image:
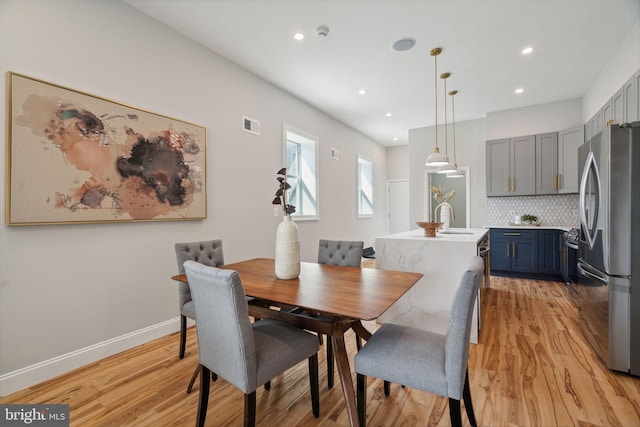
(457, 172)
(436, 158)
(449, 167)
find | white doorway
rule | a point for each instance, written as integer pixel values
(398, 206)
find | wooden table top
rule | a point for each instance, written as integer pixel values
(358, 293)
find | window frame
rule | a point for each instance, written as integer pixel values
(359, 191)
(307, 138)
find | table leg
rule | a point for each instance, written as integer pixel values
(344, 372)
(360, 330)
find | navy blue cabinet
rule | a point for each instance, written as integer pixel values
(528, 253)
(514, 251)
(549, 251)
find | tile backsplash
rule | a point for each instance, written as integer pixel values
(561, 210)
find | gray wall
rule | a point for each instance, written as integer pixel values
(67, 288)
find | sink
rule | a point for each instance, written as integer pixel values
(454, 232)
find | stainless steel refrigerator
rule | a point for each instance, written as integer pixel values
(607, 292)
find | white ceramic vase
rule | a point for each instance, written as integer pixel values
(287, 262)
(445, 216)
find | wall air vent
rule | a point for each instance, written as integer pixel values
(250, 125)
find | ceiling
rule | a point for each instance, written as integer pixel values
(481, 43)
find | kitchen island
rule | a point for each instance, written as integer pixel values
(442, 260)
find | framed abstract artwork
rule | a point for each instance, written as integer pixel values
(76, 158)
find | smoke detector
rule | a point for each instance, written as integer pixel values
(322, 32)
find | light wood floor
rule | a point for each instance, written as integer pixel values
(531, 368)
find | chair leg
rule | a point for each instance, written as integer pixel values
(313, 384)
(203, 400)
(193, 379)
(267, 385)
(454, 412)
(466, 396)
(183, 335)
(329, 362)
(214, 377)
(250, 409)
(387, 388)
(361, 396)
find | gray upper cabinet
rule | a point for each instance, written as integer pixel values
(557, 161)
(547, 163)
(617, 108)
(511, 166)
(630, 99)
(568, 142)
(498, 178)
(523, 167)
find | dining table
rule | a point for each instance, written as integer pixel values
(327, 299)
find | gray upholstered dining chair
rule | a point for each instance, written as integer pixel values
(243, 353)
(207, 252)
(338, 252)
(425, 360)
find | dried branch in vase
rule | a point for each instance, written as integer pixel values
(281, 194)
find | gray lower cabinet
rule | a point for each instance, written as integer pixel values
(511, 166)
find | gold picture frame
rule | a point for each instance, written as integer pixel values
(73, 158)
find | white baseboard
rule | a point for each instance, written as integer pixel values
(47, 369)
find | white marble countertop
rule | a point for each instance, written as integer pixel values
(533, 227)
(451, 235)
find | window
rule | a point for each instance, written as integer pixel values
(302, 172)
(365, 187)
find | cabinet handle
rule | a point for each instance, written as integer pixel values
(510, 234)
(559, 181)
(555, 182)
(507, 185)
(513, 184)
(514, 249)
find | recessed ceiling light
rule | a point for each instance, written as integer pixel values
(519, 90)
(527, 50)
(395, 138)
(388, 114)
(362, 92)
(403, 44)
(298, 36)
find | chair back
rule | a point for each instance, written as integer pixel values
(208, 252)
(459, 328)
(340, 252)
(226, 343)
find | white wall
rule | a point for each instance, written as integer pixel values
(398, 162)
(624, 62)
(470, 138)
(65, 288)
(536, 119)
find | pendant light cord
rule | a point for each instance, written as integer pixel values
(453, 119)
(435, 79)
(446, 133)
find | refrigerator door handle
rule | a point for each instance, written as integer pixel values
(590, 230)
(597, 277)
